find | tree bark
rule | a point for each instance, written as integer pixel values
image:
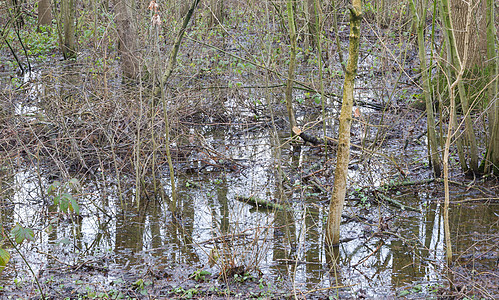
(128, 39)
(343, 153)
(313, 26)
(44, 13)
(17, 9)
(477, 40)
(492, 159)
(458, 64)
(68, 15)
(216, 12)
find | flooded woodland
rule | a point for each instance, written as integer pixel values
(188, 149)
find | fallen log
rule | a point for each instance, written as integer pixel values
(312, 139)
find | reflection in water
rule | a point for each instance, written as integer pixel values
(279, 243)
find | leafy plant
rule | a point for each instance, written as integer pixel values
(60, 193)
(244, 277)
(20, 234)
(199, 275)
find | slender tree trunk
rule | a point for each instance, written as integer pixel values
(292, 63)
(172, 62)
(457, 82)
(68, 15)
(313, 27)
(492, 159)
(44, 13)
(420, 19)
(16, 6)
(343, 153)
(128, 39)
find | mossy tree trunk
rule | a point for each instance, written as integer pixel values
(292, 63)
(458, 64)
(312, 10)
(343, 153)
(457, 61)
(492, 159)
(172, 62)
(16, 9)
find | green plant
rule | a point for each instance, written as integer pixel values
(199, 275)
(244, 277)
(62, 195)
(190, 293)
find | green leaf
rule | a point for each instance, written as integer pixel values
(57, 200)
(53, 188)
(74, 206)
(64, 203)
(4, 259)
(20, 233)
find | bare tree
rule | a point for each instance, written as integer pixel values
(343, 153)
(419, 14)
(492, 157)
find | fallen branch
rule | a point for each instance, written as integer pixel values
(395, 202)
(315, 183)
(312, 139)
(257, 202)
(407, 183)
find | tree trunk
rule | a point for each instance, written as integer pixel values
(68, 15)
(343, 153)
(458, 63)
(292, 62)
(492, 159)
(313, 25)
(216, 12)
(44, 13)
(128, 39)
(172, 62)
(477, 44)
(17, 10)
(419, 15)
